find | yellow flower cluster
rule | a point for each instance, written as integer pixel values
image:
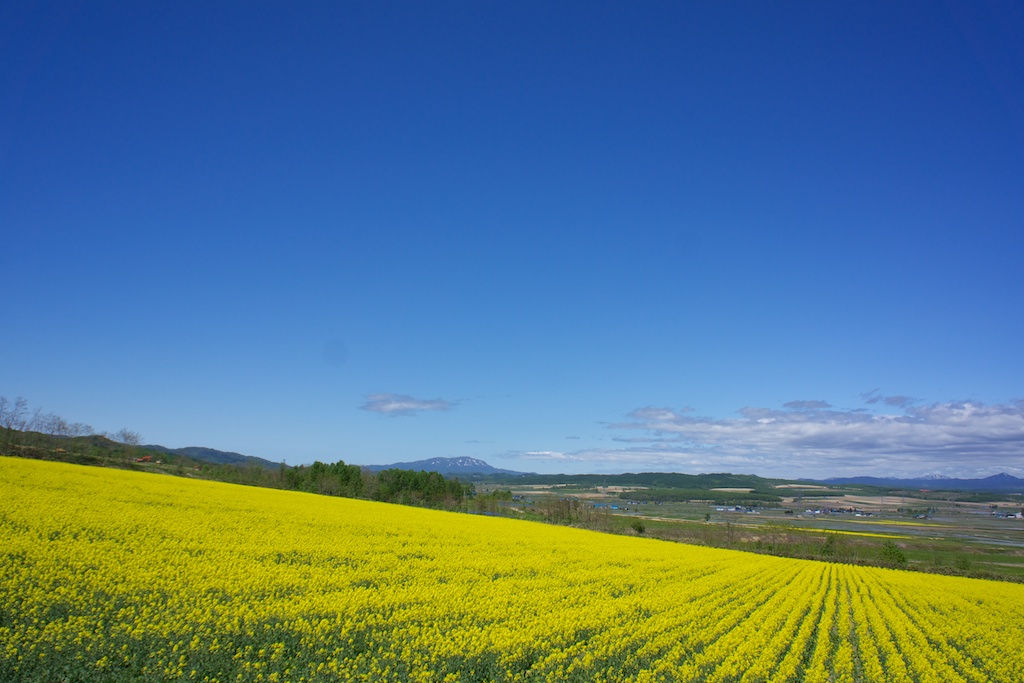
(119, 576)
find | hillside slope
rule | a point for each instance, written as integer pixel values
(153, 576)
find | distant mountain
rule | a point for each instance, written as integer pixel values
(215, 456)
(998, 483)
(447, 466)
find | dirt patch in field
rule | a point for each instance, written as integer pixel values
(809, 487)
(881, 502)
(867, 502)
(606, 491)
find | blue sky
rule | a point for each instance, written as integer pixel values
(779, 238)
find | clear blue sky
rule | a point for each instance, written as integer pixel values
(779, 238)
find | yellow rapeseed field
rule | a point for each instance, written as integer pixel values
(119, 576)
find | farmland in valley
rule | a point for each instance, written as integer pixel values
(109, 575)
(963, 533)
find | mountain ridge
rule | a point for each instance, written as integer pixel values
(1002, 483)
(214, 456)
(467, 466)
(453, 466)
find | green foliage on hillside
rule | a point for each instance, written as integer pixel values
(336, 479)
(427, 489)
(420, 488)
(94, 449)
(212, 455)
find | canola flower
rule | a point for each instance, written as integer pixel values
(121, 576)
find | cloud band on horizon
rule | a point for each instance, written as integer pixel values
(813, 439)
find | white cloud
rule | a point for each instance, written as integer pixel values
(544, 455)
(397, 405)
(813, 439)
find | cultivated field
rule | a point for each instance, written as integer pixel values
(108, 575)
(940, 534)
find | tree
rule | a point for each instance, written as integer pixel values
(893, 555)
(128, 437)
(828, 548)
(79, 429)
(13, 416)
(49, 423)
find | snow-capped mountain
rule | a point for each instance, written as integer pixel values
(452, 466)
